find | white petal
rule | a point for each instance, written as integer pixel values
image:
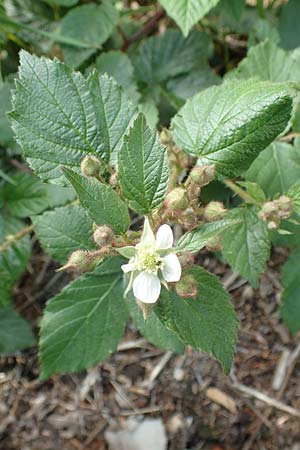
(164, 237)
(146, 287)
(147, 236)
(171, 270)
(128, 267)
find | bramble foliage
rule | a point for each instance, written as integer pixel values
(144, 137)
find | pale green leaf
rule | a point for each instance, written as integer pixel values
(84, 323)
(143, 168)
(208, 322)
(229, 125)
(153, 329)
(289, 24)
(100, 201)
(15, 332)
(277, 168)
(63, 231)
(91, 24)
(6, 133)
(195, 240)
(246, 246)
(187, 12)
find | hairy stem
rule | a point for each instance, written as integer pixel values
(10, 240)
(239, 191)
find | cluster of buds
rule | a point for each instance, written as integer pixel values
(199, 177)
(274, 211)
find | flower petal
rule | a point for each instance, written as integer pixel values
(146, 287)
(147, 238)
(128, 267)
(171, 270)
(164, 237)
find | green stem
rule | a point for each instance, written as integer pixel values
(261, 9)
(10, 240)
(240, 192)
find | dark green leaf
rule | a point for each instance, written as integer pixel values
(143, 168)
(290, 308)
(100, 201)
(289, 24)
(84, 323)
(15, 332)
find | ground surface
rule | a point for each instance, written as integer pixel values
(73, 411)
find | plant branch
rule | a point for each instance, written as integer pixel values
(239, 191)
(11, 239)
(144, 31)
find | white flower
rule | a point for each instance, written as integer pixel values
(151, 263)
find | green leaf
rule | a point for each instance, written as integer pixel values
(13, 261)
(6, 133)
(63, 231)
(90, 24)
(290, 308)
(229, 125)
(254, 191)
(148, 107)
(84, 323)
(186, 85)
(65, 3)
(246, 246)
(234, 8)
(187, 12)
(162, 57)
(266, 61)
(15, 332)
(100, 201)
(59, 117)
(195, 240)
(153, 329)
(115, 113)
(289, 24)
(118, 65)
(143, 168)
(277, 168)
(294, 194)
(208, 322)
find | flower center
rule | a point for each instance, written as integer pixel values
(149, 261)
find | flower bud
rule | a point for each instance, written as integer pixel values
(285, 206)
(273, 225)
(165, 137)
(187, 286)
(203, 175)
(103, 235)
(214, 211)
(188, 219)
(214, 244)
(113, 180)
(90, 166)
(79, 260)
(177, 199)
(186, 259)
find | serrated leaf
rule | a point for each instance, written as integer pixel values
(246, 246)
(15, 332)
(143, 168)
(13, 260)
(267, 61)
(208, 322)
(91, 24)
(153, 329)
(229, 125)
(118, 65)
(6, 133)
(195, 240)
(63, 231)
(187, 12)
(114, 113)
(100, 201)
(59, 117)
(290, 308)
(84, 323)
(277, 168)
(162, 57)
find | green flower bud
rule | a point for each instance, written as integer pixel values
(103, 235)
(285, 206)
(214, 211)
(113, 180)
(165, 137)
(80, 260)
(187, 286)
(177, 199)
(214, 244)
(90, 166)
(203, 175)
(186, 259)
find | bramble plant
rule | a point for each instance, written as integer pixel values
(140, 160)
